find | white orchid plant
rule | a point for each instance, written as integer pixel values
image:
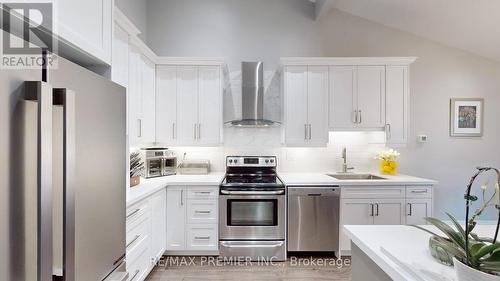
(389, 155)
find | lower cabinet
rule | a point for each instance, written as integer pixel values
(145, 235)
(384, 205)
(192, 219)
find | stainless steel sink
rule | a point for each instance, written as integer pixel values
(356, 177)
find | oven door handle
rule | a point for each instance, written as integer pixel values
(274, 192)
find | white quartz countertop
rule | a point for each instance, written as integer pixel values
(297, 179)
(150, 186)
(402, 252)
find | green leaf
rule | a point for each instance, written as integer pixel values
(490, 267)
(475, 247)
(494, 257)
(446, 229)
(426, 230)
(457, 225)
(487, 249)
(481, 239)
(451, 247)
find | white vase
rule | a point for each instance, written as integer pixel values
(467, 273)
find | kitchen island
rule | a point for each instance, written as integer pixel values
(397, 252)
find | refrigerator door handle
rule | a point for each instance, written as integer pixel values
(41, 92)
(66, 98)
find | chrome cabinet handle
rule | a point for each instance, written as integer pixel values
(135, 275)
(409, 204)
(173, 130)
(360, 117)
(133, 213)
(370, 213)
(418, 191)
(133, 240)
(388, 131)
(305, 131)
(202, 237)
(139, 122)
(194, 132)
(376, 204)
(310, 131)
(202, 212)
(354, 116)
(182, 197)
(202, 192)
(199, 131)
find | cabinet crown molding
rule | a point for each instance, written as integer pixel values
(288, 61)
(191, 61)
(123, 21)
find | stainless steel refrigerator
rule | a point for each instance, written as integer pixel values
(62, 175)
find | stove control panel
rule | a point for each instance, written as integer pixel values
(251, 161)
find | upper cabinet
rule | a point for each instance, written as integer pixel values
(397, 98)
(345, 94)
(86, 25)
(305, 99)
(189, 105)
(357, 97)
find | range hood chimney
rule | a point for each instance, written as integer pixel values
(252, 100)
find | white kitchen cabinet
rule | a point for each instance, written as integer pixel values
(148, 101)
(86, 25)
(196, 93)
(192, 220)
(388, 211)
(166, 104)
(141, 99)
(176, 217)
(158, 224)
(357, 97)
(306, 97)
(417, 210)
(397, 98)
(383, 205)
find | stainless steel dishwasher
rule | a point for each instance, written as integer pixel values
(313, 218)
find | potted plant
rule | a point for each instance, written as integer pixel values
(474, 257)
(387, 161)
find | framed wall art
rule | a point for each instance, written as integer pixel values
(466, 117)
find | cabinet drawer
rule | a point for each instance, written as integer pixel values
(371, 192)
(202, 237)
(202, 192)
(418, 192)
(201, 211)
(138, 266)
(136, 233)
(137, 251)
(137, 212)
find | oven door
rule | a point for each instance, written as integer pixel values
(252, 215)
(153, 168)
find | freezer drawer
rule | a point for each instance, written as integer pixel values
(313, 219)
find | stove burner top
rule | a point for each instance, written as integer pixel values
(257, 172)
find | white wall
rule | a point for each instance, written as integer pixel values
(267, 30)
(439, 74)
(235, 29)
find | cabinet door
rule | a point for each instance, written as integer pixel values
(187, 104)
(210, 105)
(342, 98)
(134, 99)
(417, 210)
(176, 219)
(158, 224)
(148, 101)
(354, 212)
(396, 105)
(371, 96)
(296, 130)
(87, 25)
(119, 68)
(389, 211)
(317, 100)
(166, 104)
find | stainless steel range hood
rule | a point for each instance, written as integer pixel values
(252, 99)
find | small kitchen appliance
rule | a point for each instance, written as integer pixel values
(158, 162)
(252, 209)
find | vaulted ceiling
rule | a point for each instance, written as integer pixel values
(473, 26)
